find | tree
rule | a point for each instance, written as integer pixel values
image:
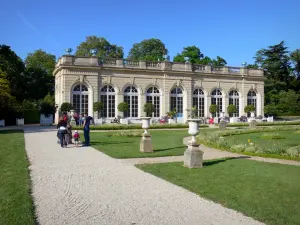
(103, 48)
(149, 109)
(37, 83)
(5, 94)
(42, 60)
(13, 67)
(149, 49)
(275, 61)
(219, 61)
(295, 58)
(249, 108)
(192, 52)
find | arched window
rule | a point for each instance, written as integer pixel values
(216, 99)
(131, 97)
(176, 100)
(234, 100)
(80, 100)
(153, 96)
(198, 102)
(251, 98)
(107, 97)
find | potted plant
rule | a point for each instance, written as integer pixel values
(250, 109)
(98, 107)
(47, 110)
(123, 107)
(172, 115)
(231, 109)
(66, 107)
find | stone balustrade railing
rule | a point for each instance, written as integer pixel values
(70, 60)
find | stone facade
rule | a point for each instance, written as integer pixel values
(83, 80)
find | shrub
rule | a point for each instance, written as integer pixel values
(126, 134)
(251, 148)
(231, 109)
(294, 151)
(149, 109)
(238, 148)
(66, 107)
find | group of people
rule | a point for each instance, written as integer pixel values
(64, 132)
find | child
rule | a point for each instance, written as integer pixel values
(76, 138)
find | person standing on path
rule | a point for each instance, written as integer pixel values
(62, 130)
(86, 129)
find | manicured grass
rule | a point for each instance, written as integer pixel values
(16, 205)
(285, 138)
(264, 191)
(165, 143)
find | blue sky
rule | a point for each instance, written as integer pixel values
(232, 29)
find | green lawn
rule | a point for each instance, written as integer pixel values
(264, 191)
(285, 138)
(165, 143)
(16, 205)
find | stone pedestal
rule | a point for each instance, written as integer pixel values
(222, 125)
(252, 124)
(146, 143)
(193, 156)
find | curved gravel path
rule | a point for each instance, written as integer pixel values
(84, 186)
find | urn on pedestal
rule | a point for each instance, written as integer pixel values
(193, 156)
(146, 143)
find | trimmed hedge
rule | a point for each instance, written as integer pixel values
(31, 116)
(264, 124)
(135, 126)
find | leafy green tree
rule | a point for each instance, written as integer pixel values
(123, 107)
(295, 58)
(192, 52)
(149, 49)
(13, 67)
(103, 48)
(5, 94)
(42, 60)
(206, 61)
(275, 61)
(288, 102)
(249, 108)
(98, 107)
(219, 61)
(37, 83)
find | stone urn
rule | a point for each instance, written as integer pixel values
(193, 156)
(145, 123)
(193, 128)
(72, 121)
(146, 143)
(252, 115)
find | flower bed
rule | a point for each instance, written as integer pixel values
(266, 144)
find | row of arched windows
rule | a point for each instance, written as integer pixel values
(107, 97)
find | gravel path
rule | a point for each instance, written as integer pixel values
(84, 186)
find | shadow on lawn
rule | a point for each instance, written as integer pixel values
(217, 161)
(10, 131)
(109, 142)
(165, 149)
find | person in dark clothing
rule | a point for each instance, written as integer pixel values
(86, 129)
(62, 130)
